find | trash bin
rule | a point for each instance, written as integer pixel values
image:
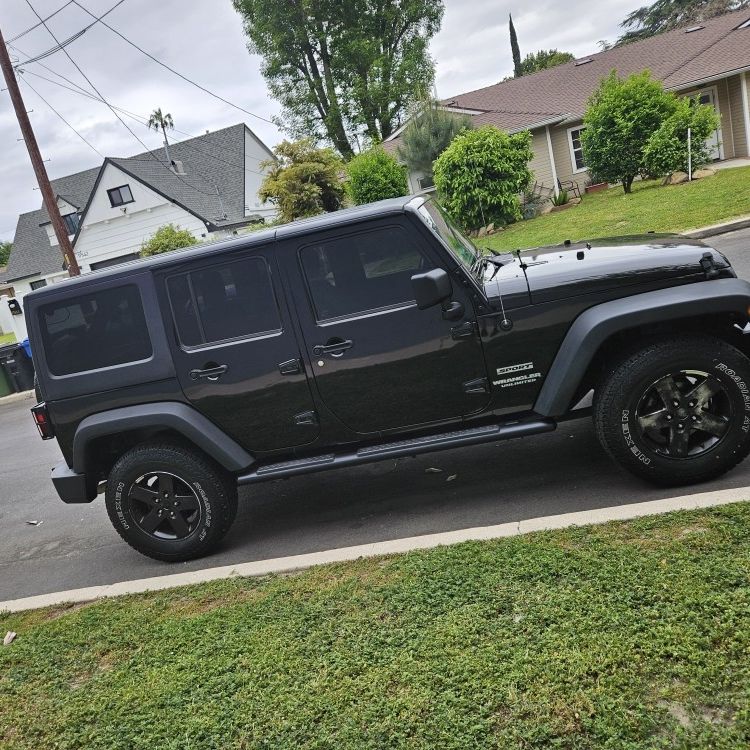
(26, 344)
(5, 387)
(18, 368)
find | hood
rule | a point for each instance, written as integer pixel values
(555, 273)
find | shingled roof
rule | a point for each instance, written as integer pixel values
(212, 161)
(680, 59)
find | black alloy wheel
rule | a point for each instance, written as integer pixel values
(164, 506)
(684, 414)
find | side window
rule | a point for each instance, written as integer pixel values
(367, 271)
(95, 330)
(223, 302)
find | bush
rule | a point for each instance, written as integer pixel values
(560, 199)
(667, 149)
(429, 133)
(375, 175)
(166, 238)
(482, 174)
(621, 118)
(303, 181)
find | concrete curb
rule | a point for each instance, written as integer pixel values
(13, 397)
(395, 546)
(716, 229)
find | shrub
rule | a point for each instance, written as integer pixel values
(621, 118)
(166, 238)
(560, 199)
(375, 175)
(303, 181)
(667, 148)
(429, 133)
(481, 175)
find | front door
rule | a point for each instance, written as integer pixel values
(713, 143)
(379, 362)
(236, 354)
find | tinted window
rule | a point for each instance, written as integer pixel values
(95, 330)
(224, 302)
(362, 272)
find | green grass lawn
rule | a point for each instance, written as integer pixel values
(651, 206)
(624, 636)
(7, 338)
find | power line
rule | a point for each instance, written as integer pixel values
(172, 70)
(38, 24)
(99, 94)
(89, 144)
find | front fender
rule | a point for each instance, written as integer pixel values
(167, 415)
(594, 326)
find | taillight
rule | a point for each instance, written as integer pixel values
(42, 421)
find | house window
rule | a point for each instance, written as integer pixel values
(38, 284)
(119, 196)
(576, 149)
(426, 182)
(71, 222)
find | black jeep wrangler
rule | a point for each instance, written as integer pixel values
(370, 333)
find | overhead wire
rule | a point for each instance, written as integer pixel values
(39, 23)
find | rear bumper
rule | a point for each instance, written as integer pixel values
(72, 487)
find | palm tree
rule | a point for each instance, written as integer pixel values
(158, 121)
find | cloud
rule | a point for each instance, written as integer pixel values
(203, 39)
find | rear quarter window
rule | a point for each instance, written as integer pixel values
(94, 330)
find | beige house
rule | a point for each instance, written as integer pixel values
(710, 60)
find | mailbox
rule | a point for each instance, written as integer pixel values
(15, 306)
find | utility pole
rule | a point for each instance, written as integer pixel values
(50, 202)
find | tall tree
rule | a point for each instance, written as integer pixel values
(664, 15)
(515, 49)
(158, 121)
(545, 58)
(5, 248)
(343, 69)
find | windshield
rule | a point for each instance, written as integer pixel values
(436, 218)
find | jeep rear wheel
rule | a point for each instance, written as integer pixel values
(678, 411)
(169, 502)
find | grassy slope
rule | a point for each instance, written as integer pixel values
(624, 636)
(676, 208)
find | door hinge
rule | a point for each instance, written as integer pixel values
(306, 417)
(480, 385)
(291, 367)
(464, 331)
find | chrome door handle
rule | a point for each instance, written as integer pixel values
(209, 373)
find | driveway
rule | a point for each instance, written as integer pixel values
(75, 546)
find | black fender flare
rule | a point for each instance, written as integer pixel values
(596, 324)
(171, 415)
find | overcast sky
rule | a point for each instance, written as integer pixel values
(203, 39)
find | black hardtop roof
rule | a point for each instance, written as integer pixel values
(263, 236)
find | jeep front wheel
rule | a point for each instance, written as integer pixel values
(678, 411)
(169, 502)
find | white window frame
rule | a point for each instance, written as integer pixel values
(576, 170)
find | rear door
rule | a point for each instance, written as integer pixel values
(236, 355)
(379, 362)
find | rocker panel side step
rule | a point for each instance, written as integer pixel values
(411, 447)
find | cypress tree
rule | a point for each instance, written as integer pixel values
(517, 69)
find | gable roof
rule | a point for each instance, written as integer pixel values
(211, 161)
(677, 58)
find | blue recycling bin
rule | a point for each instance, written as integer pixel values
(26, 344)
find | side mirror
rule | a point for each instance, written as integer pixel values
(431, 288)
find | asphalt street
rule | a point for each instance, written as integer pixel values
(75, 546)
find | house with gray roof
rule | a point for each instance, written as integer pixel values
(209, 186)
(708, 60)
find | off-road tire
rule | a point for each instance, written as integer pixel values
(620, 426)
(204, 485)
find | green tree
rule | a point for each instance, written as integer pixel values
(481, 175)
(375, 175)
(169, 237)
(622, 116)
(158, 121)
(665, 15)
(339, 69)
(543, 59)
(428, 134)
(304, 180)
(515, 49)
(667, 149)
(5, 248)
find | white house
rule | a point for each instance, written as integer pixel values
(210, 188)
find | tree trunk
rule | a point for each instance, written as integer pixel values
(627, 183)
